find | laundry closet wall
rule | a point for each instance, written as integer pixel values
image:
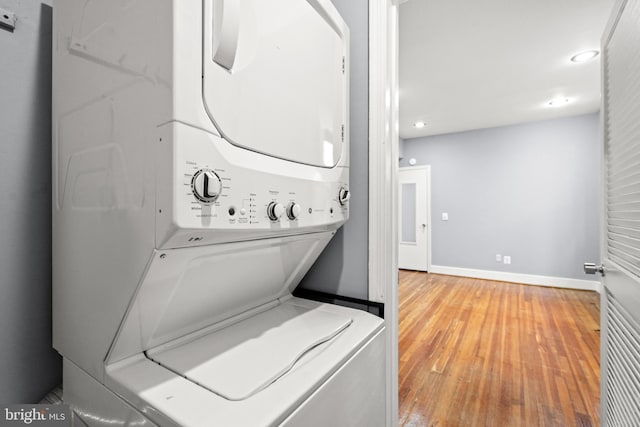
(343, 267)
(29, 367)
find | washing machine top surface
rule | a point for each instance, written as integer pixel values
(245, 358)
(171, 398)
(299, 48)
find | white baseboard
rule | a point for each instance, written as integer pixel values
(527, 279)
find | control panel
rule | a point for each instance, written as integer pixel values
(247, 199)
(216, 196)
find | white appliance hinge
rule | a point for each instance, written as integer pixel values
(342, 133)
(343, 66)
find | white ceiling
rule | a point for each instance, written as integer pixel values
(468, 64)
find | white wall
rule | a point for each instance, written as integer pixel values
(529, 191)
(29, 367)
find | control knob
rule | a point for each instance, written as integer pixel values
(275, 211)
(293, 211)
(343, 196)
(206, 186)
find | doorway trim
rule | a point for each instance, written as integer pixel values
(426, 168)
(383, 181)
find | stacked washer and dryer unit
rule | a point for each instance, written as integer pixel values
(200, 166)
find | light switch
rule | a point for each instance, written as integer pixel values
(445, 216)
(507, 259)
(498, 258)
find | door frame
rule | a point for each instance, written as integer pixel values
(383, 182)
(426, 168)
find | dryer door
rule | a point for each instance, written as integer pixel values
(275, 77)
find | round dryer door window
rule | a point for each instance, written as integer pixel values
(275, 79)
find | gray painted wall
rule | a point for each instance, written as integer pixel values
(29, 367)
(343, 267)
(529, 191)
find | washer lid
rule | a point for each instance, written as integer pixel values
(275, 78)
(241, 360)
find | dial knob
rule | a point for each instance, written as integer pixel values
(206, 186)
(275, 211)
(293, 210)
(344, 195)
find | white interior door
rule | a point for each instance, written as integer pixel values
(620, 341)
(415, 228)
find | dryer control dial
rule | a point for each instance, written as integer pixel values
(275, 211)
(293, 211)
(344, 195)
(206, 185)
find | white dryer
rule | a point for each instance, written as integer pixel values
(200, 166)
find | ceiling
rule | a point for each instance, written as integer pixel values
(477, 64)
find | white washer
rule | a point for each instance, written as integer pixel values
(200, 167)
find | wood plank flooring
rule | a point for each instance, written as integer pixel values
(482, 353)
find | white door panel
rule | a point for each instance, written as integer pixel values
(620, 344)
(413, 251)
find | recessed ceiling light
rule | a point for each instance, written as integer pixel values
(559, 102)
(585, 56)
(419, 125)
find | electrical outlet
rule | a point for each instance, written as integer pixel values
(507, 259)
(7, 20)
(498, 258)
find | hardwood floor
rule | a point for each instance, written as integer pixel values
(482, 353)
